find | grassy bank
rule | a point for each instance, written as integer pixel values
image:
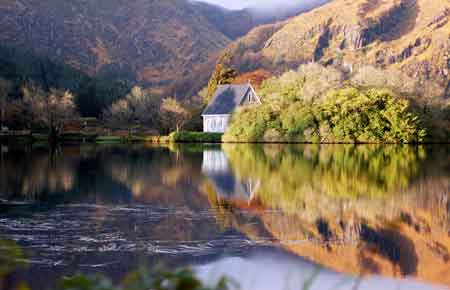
(175, 137)
(180, 137)
(195, 137)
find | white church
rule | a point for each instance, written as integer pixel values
(225, 101)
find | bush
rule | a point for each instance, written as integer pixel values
(182, 279)
(151, 139)
(250, 124)
(298, 107)
(370, 115)
(299, 123)
(309, 83)
(195, 137)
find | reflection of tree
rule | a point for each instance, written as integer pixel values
(358, 209)
(154, 175)
(229, 216)
(290, 175)
(30, 173)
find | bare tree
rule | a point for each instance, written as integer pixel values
(370, 76)
(32, 94)
(173, 114)
(53, 109)
(138, 108)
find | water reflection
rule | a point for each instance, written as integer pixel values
(227, 185)
(356, 209)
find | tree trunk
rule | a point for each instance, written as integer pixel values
(54, 134)
(2, 117)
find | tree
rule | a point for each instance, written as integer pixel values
(370, 76)
(173, 113)
(5, 88)
(313, 104)
(31, 94)
(222, 75)
(53, 109)
(138, 108)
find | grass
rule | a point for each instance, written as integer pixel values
(175, 137)
(151, 139)
(109, 139)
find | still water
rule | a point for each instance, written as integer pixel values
(270, 217)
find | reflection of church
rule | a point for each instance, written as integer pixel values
(227, 185)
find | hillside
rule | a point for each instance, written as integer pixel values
(157, 40)
(411, 35)
(154, 42)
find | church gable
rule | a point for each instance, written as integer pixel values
(225, 101)
(228, 97)
(250, 98)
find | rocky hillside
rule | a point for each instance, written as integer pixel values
(412, 35)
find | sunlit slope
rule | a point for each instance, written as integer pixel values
(413, 35)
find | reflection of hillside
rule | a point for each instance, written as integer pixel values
(366, 209)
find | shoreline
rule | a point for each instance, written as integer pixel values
(167, 140)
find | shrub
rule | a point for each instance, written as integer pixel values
(152, 139)
(349, 115)
(182, 279)
(309, 83)
(369, 76)
(372, 115)
(249, 124)
(298, 119)
(195, 137)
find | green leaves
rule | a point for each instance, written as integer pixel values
(371, 115)
(80, 282)
(350, 115)
(142, 279)
(11, 257)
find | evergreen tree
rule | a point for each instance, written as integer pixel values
(222, 75)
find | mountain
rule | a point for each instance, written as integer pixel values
(153, 41)
(236, 23)
(157, 40)
(411, 35)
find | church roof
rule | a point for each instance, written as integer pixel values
(226, 99)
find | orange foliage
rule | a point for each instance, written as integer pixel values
(255, 77)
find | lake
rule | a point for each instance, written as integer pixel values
(268, 216)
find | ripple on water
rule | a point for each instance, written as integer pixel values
(85, 228)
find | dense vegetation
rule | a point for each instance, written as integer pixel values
(318, 104)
